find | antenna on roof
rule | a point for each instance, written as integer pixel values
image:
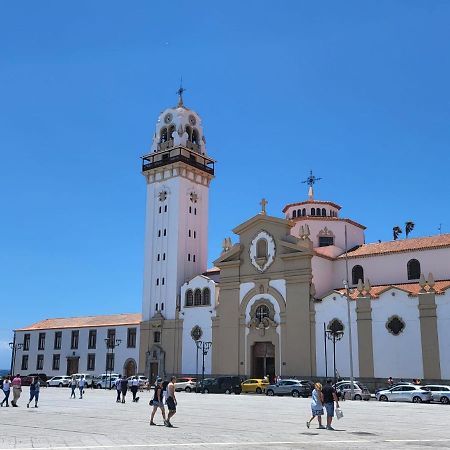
(311, 181)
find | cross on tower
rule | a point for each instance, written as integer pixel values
(311, 181)
(180, 91)
(263, 204)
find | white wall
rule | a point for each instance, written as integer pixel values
(397, 356)
(443, 324)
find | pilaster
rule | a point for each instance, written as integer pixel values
(365, 338)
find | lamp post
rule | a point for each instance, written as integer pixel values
(111, 344)
(196, 335)
(204, 347)
(14, 347)
(334, 333)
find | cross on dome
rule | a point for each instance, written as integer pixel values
(180, 91)
(311, 181)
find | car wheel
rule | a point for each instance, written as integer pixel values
(270, 393)
(227, 391)
(258, 390)
(358, 397)
(383, 398)
(417, 399)
(445, 400)
(99, 386)
(188, 389)
(60, 385)
(295, 393)
(206, 391)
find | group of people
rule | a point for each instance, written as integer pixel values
(122, 387)
(77, 383)
(16, 386)
(164, 394)
(323, 397)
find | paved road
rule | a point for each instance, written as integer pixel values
(217, 422)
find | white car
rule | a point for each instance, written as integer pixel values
(405, 393)
(360, 392)
(440, 393)
(104, 382)
(186, 384)
(89, 379)
(59, 381)
(141, 378)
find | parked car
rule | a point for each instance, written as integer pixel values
(186, 384)
(400, 383)
(405, 393)
(89, 378)
(141, 378)
(103, 382)
(439, 393)
(289, 387)
(360, 392)
(256, 385)
(42, 378)
(221, 385)
(59, 381)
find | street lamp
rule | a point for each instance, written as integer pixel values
(111, 344)
(334, 333)
(14, 347)
(204, 347)
(196, 335)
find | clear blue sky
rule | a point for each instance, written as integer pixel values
(356, 91)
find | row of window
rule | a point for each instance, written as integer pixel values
(57, 361)
(92, 340)
(192, 209)
(394, 324)
(192, 234)
(412, 269)
(313, 212)
(198, 297)
(166, 133)
(161, 209)
(163, 280)
(162, 232)
(157, 307)
(158, 258)
(189, 257)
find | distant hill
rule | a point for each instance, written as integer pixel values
(4, 372)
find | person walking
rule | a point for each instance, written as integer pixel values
(134, 388)
(81, 385)
(124, 388)
(316, 405)
(118, 388)
(34, 392)
(329, 399)
(171, 401)
(17, 389)
(73, 386)
(6, 388)
(158, 402)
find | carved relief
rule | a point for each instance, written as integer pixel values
(262, 251)
(262, 316)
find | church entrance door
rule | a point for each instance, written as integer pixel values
(153, 371)
(263, 360)
(72, 365)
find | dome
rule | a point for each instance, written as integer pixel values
(179, 126)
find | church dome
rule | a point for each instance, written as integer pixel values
(179, 127)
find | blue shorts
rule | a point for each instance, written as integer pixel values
(330, 409)
(316, 411)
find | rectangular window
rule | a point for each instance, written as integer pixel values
(111, 336)
(74, 340)
(26, 341)
(24, 362)
(56, 360)
(325, 241)
(92, 343)
(91, 361)
(41, 341)
(156, 337)
(131, 338)
(40, 362)
(110, 361)
(57, 342)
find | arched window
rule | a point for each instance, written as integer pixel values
(261, 248)
(156, 307)
(318, 212)
(206, 299)
(189, 132)
(163, 135)
(262, 312)
(195, 138)
(413, 269)
(299, 212)
(189, 298)
(304, 212)
(157, 259)
(162, 306)
(324, 212)
(313, 211)
(294, 214)
(171, 131)
(357, 274)
(197, 297)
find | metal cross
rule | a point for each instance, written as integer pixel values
(311, 180)
(180, 92)
(263, 204)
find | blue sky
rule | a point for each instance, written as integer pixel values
(356, 91)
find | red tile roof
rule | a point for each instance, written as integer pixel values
(88, 321)
(311, 202)
(401, 245)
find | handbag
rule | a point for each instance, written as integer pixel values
(339, 413)
(150, 402)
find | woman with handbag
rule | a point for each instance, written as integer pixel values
(157, 402)
(316, 406)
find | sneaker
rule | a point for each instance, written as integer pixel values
(329, 427)
(321, 427)
(165, 423)
(307, 424)
(152, 423)
(35, 406)
(28, 405)
(169, 425)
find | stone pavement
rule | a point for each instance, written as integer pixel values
(216, 422)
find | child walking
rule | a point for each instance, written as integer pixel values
(316, 405)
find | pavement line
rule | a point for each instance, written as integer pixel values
(417, 440)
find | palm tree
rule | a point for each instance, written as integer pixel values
(409, 226)
(396, 230)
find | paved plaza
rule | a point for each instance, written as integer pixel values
(216, 422)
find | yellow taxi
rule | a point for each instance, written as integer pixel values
(256, 385)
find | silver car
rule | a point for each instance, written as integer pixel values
(440, 393)
(407, 393)
(360, 392)
(289, 387)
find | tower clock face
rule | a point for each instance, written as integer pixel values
(168, 118)
(192, 120)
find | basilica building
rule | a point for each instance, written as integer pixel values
(281, 287)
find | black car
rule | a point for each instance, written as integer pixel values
(221, 385)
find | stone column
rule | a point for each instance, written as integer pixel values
(428, 329)
(364, 330)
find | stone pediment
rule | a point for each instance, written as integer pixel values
(259, 221)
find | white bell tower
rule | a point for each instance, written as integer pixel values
(178, 172)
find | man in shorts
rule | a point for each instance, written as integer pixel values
(329, 399)
(171, 401)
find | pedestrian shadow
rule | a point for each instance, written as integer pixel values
(306, 433)
(363, 433)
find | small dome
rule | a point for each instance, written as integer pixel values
(179, 126)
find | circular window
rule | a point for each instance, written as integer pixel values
(168, 118)
(196, 333)
(262, 312)
(336, 326)
(192, 120)
(395, 325)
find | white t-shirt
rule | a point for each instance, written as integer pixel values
(81, 382)
(6, 385)
(134, 382)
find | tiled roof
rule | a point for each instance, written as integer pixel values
(83, 322)
(312, 202)
(411, 288)
(212, 270)
(401, 245)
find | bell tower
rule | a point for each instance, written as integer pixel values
(178, 172)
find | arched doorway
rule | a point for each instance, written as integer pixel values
(263, 360)
(129, 368)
